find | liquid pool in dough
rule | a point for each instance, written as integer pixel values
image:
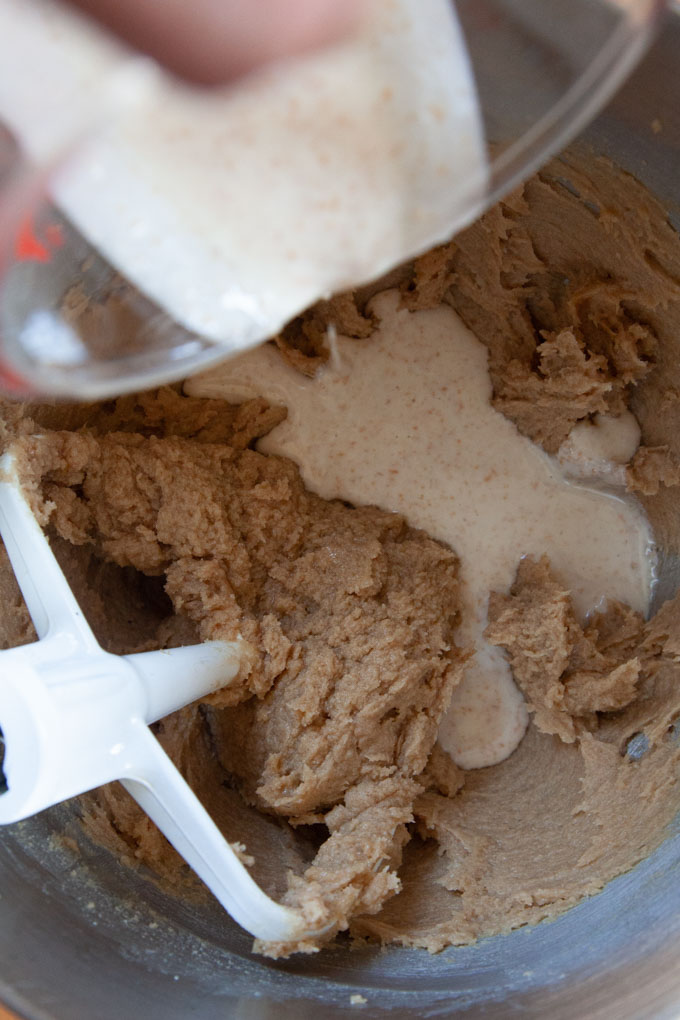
(405, 422)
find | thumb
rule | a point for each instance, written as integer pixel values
(211, 42)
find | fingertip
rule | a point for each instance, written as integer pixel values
(319, 22)
(211, 42)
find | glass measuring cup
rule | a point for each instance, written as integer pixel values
(72, 325)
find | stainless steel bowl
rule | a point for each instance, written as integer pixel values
(82, 937)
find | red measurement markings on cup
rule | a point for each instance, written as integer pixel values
(29, 247)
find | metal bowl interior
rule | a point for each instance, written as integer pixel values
(82, 936)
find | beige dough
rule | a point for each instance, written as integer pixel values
(348, 615)
(321, 758)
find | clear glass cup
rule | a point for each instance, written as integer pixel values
(72, 326)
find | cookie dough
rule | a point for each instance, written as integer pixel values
(321, 758)
(348, 615)
(405, 422)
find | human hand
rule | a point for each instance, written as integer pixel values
(211, 42)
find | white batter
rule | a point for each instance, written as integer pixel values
(234, 209)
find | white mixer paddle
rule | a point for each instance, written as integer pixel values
(74, 717)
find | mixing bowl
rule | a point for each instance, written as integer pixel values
(83, 936)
